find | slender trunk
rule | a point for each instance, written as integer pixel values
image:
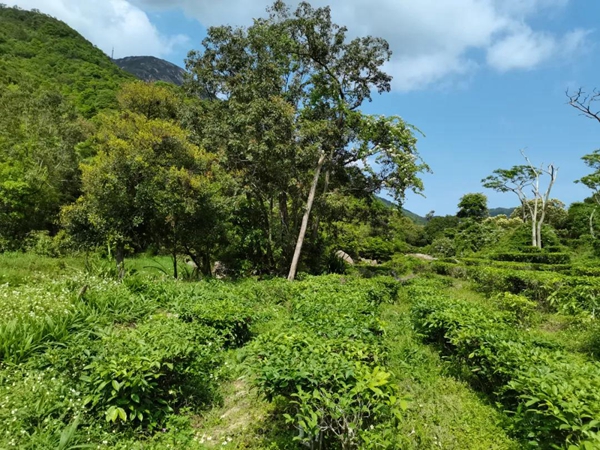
(175, 264)
(304, 226)
(270, 226)
(539, 225)
(120, 260)
(592, 224)
(317, 223)
(206, 266)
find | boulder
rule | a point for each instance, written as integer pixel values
(344, 257)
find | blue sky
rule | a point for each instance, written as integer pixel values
(482, 79)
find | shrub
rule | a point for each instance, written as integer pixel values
(534, 257)
(144, 372)
(330, 389)
(554, 399)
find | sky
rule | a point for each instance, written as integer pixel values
(482, 79)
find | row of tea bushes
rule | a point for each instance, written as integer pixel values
(553, 291)
(89, 360)
(553, 397)
(326, 368)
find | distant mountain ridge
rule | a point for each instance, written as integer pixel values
(149, 68)
(499, 211)
(411, 215)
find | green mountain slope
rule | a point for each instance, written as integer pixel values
(498, 211)
(411, 215)
(41, 53)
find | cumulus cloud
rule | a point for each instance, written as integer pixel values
(433, 41)
(527, 49)
(110, 23)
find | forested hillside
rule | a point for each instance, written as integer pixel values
(42, 54)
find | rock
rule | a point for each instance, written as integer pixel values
(219, 270)
(370, 262)
(191, 263)
(344, 257)
(422, 256)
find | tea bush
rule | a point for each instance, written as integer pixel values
(554, 398)
(143, 372)
(328, 374)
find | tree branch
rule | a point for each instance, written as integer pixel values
(584, 103)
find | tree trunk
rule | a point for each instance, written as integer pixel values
(175, 264)
(206, 269)
(305, 218)
(592, 224)
(120, 260)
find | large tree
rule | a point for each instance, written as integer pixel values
(290, 88)
(518, 180)
(39, 134)
(473, 206)
(147, 183)
(592, 181)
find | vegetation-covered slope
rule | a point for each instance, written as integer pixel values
(39, 52)
(419, 220)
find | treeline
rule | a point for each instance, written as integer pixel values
(263, 161)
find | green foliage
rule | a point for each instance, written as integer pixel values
(539, 257)
(41, 53)
(553, 397)
(473, 206)
(328, 374)
(556, 214)
(143, 373)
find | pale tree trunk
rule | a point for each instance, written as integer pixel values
(592, 224)
(305, 218)
(552, 171)
(175, 274)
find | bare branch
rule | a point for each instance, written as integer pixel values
(585, 103)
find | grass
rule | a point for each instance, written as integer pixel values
(41, 399)
(444, 412)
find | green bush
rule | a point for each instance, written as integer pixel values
(554, 398)
(145, 371)
(329, 389)
(533, 257)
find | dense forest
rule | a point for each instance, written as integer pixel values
(146, 229)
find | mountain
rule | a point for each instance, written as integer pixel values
(498, 211)
(149, 68)
(39, 53)
(411, 215)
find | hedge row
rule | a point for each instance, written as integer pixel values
(554, 291)
(533, 257)
(553, 398)
(326, 366)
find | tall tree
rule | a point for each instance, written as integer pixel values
(517, 180)
(592, 181)
(303, 60)
(148, 183)
(473, 206)
(39, 137)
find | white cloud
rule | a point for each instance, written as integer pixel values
(108, 24)
(435, 42)
(526, 49)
